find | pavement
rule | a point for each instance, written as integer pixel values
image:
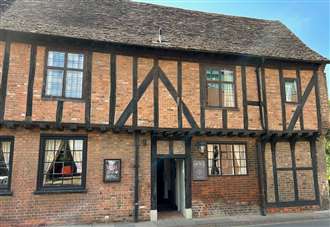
(305, 219)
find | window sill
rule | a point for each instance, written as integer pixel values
(6, 193)
(59, 191)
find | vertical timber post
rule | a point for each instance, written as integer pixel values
(261, 178)
(153, 211)
(136, 175)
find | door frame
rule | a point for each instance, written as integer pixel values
(187, 168)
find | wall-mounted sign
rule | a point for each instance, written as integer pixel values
(199, 169)
(112, 170)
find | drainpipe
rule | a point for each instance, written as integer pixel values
(136, 175)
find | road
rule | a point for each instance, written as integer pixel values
(324, 222)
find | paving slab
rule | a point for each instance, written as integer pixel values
(246, 220)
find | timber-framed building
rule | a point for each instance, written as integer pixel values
(113, 110)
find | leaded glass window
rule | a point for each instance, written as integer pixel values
(226, 159)
(220, 88)
(63, 162)
(64, 75)
(291, 90)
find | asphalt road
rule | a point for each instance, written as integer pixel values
(324, 222)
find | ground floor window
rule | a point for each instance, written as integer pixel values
(6, 162)
(226, 159)
(62, 162)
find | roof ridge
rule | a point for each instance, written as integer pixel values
(139, 2)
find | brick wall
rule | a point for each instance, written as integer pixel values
(74, 111)
(285, 177)
(226, 195)
(112, 199)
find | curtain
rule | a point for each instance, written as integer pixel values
(52, 147)
(239, 159)
(4, 158)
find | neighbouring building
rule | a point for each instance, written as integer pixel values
(116, 111)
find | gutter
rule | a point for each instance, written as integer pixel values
(136, 175)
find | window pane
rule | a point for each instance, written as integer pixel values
(213, 97)
(213, 159)
(54, 82)
(4, 164)
(212, 74)
(73, 85)
(228, 95)
(62, 162)
(291, 91)
(227, 167)
(227, 75)
(56, 59)
(75, 61)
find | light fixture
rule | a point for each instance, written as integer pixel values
(201, 146)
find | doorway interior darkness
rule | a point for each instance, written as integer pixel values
(170, 184)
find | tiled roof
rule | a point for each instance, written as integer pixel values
(127, 22)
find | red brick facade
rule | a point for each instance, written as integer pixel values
(218, 195)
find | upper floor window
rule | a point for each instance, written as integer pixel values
(290, 90)
(63, 163)
(220, 87)
(64, 75)
(226, 159)
(6, 163)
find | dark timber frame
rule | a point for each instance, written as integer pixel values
(29, 100)
(88, 46)
(4, 79)
(297, 201)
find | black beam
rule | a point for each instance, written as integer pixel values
(224, 119)
(174, 95)
(88, 92)
(317, 100)
(313, 150)
(202, 94)
(59, 112)
(134, 92)
(299, 97)
(141, 89)
(244, 93)
(300, 106)
(259, 88)
(261, 178)
(264, 98)
(156, 94)
(136, 175)
(113, 79)
(282, 88)
(273, 151)
(179, 83)
(4, 79)
(29, 99)
(153, 171)
(188, 172)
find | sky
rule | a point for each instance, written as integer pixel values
(308, 19)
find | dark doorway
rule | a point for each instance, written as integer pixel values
(166, 179)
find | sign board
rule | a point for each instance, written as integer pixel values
(199, 169)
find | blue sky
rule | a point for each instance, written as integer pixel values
(308, 19)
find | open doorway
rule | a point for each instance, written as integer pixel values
(170, 185)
